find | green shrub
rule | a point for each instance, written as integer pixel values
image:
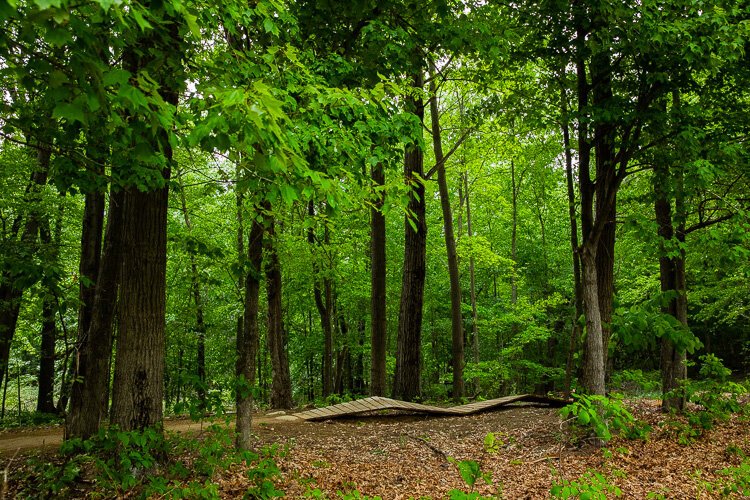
(592, 485)
(636, 381)
(603, 417)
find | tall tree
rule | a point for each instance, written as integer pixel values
(138, 394)
(378, 318)
(281, 384)
(457, 323)
(406, 385)
(248, 350)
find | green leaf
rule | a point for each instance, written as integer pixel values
(70, 112)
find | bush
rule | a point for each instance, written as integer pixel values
(592, 485)
(603, 417)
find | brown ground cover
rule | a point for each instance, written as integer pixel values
(407, 456)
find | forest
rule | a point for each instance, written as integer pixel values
(218, 210)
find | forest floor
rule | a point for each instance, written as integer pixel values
(407, 456)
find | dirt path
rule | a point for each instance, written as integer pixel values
(47, 438)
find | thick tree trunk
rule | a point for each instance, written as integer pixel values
(378, 320)
(409, 342)
(90, 389)
(138, 392)
(457, 325)
(593, 368)
(281, 384)
(246, 357)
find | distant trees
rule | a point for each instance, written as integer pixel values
(170, 168)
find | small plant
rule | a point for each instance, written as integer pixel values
(494, 441)
(592, 485)
(471, 473)
(602, 416)
(735, 481)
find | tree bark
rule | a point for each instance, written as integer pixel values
(514, 236)
(457, 326)
(138, 392)
(88, 268)
(281, 384)
(10, 293)
(409, 342)
(324, 304)
(575, 331)
(246, 357)
(593, 367)
(45, 396)
(672, 279)
(472, 282)
(378, 320)
(89, 392)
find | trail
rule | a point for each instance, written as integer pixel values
(51, 437)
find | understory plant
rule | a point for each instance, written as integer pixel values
(592, 485)
(716, 397)
(601, 418)
(149, 464)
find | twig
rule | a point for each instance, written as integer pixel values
(542, 459)
(4, 491)
(434, 448)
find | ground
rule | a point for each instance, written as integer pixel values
(407, 457)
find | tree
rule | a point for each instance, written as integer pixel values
(138, 394)
(457, 322)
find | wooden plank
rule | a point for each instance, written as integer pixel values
(377, 403)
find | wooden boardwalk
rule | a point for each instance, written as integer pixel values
(377, 403)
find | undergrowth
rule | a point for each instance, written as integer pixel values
(149, 464)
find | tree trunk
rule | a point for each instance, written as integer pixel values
(409, 342)
(246, 357)
(281, 384)
(241, 275)
(457, 325)
(472, 283)
(593, 368)
(89, 392)
(514, 237)
(672, 279)
(195, 287)
(45, 396)
(324, 304)
(88, 269)
(138, 390)
(10, 294)
(139, 366)
(378, 320)
(575, 332)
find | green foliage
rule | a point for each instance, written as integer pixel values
(149, 464)
(717, 398)
(471, 473)
(636, 382)
(592, 485)
(493, 442)
(713, 368)
(603, 417)
(735, 481)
